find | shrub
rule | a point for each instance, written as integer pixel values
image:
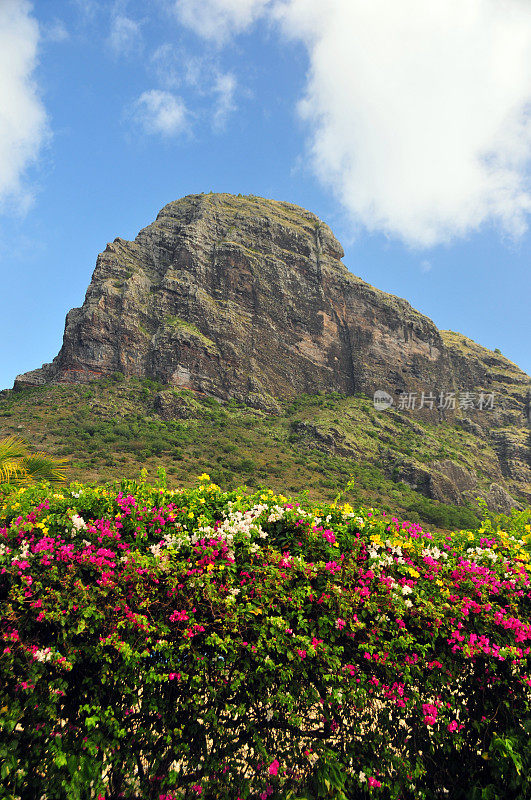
(174, 644)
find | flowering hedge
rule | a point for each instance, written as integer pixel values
(175, 644)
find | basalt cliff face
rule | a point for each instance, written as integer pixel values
(240, 297)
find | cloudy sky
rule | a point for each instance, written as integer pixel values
(404, 124)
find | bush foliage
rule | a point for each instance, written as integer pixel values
(109, 427)
(193, 643)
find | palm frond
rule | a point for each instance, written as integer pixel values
(12, 448)
(12, 472)
(40, 467)
(19, 466)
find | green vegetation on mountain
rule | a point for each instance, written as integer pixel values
(314, 445)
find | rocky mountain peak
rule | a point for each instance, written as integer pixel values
(241, 297)
(247, 298)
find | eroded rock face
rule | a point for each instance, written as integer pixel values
(240, 297)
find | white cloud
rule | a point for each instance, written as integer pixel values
(87, 9)
(224, 89)
(161, 112)
(22, 114)
(125, 37)
(425, 266)
(419, 110)
(175, 67)
(55, 32)
(217, 19)
(168, 64)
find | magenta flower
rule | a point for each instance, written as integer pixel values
(329, 536)
(179, 616)
(273, 767)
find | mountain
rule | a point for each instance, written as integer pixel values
(247, 300)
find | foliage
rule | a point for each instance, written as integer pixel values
(516, 523)
(117, 425)
(19, 466)
(170, 644)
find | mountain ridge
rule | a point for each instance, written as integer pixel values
(247, 299)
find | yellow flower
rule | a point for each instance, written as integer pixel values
(396, 542)
(190, 514)
(210, 567)
(205, 477)
(413, 572)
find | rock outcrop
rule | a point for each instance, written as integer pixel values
(245, 298)
(242, 297)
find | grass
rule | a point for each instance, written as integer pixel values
(314, 445)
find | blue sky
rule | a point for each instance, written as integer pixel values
(411, 137)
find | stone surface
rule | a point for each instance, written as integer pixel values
(497, 499)
(239, 297)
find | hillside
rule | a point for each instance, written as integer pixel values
(229, 336)
(315, 443)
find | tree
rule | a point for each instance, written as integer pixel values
(18, 466)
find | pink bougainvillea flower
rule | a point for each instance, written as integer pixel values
(273, 767)
(329, 536)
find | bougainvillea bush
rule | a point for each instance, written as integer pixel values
(182, 644)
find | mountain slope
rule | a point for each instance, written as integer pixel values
(244, 299)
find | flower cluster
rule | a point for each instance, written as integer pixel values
(181, 643)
